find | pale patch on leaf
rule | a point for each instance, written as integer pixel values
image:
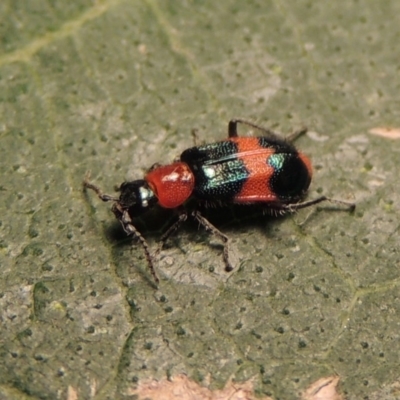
(72, 394)
(181, 387)
(386, 132)
(323, 389)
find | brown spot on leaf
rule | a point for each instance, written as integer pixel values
(323, 389)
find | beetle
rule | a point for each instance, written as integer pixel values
(266, 170)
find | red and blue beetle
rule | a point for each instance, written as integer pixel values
(265, 170)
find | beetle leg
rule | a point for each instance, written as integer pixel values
(298, 206)
(209, 227)
(88, 185)
(130, 229)
(153, 167)
(296, 134)
(195, 136)
(232, 128)
(171, 230)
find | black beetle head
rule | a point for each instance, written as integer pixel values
(136, 197)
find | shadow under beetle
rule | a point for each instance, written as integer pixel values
(267, 171)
